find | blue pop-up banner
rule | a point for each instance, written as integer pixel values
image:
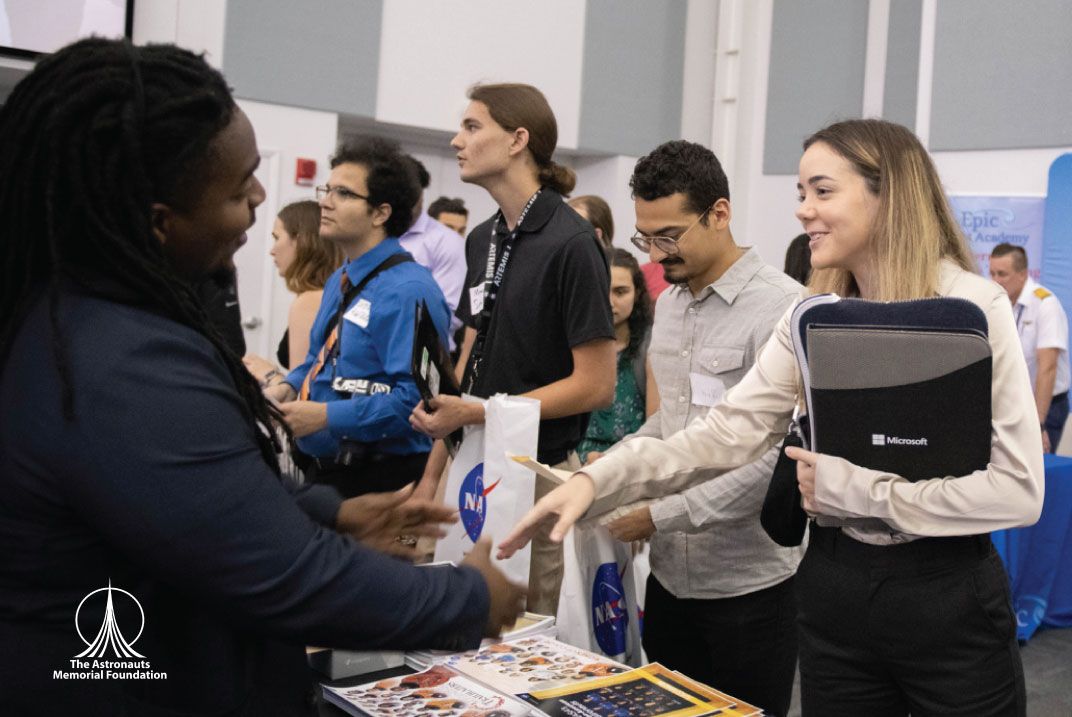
(989, 221)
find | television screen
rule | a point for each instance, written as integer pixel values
(32, 27)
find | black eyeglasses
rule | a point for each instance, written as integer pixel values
(337, 193)
(667, 245)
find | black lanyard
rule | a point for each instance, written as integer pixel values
(494, 271)
(352, 293)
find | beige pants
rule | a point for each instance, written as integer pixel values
(545, 568)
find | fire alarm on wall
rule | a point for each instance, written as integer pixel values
(305, 172)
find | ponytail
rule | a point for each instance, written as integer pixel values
(554, 176)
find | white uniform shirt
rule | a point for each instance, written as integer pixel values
(5, 28)
(1042, 324)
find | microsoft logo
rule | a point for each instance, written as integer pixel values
(880, 439)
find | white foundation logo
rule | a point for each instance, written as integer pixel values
(109, 635)
(95, 662)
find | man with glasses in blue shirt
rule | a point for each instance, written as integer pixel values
(349, 402)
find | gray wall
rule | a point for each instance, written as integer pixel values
(901, 86)
(1002, 75)
(818, 52)
(634, 55)
(323, 55)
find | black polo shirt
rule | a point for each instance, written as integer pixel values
(555, 295)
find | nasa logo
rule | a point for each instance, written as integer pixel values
(610, 616)
(472, 502)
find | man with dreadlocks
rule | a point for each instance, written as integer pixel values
(135, 459)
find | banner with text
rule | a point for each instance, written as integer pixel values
(989, 221)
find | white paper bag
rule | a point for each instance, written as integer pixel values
(598, 607)
(491, 491)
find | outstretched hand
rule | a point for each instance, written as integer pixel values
(559, 510)
(382, 520)
(507, 599)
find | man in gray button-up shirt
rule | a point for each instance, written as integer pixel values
(719, 605)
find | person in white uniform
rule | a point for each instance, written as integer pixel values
(1043, 327)
(5, 26)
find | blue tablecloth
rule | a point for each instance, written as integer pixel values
(1039, 557)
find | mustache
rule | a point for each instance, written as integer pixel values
(671, 260)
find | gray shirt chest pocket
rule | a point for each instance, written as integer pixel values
(719, 360)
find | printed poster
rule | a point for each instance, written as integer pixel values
(989, 221)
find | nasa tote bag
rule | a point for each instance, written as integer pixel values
(597, 610)
(491, 491)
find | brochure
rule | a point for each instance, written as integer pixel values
(437, 690)
(529, 624)
(649, 691)
(533, 663)
(559, 476)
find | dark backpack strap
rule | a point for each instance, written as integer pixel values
(356, 289)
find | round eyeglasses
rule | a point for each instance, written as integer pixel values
(665, 244)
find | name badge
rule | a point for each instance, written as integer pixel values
(476, 299)
(706, 390)
(359, 314)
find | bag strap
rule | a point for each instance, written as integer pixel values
(353, 292)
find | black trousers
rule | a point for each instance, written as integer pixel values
(922, 628)
(1055, 419)
(374, 473)
(745, 646)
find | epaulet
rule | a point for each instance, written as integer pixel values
(1042, 293)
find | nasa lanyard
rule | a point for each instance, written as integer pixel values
(493, 278)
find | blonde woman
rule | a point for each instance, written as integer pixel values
(305, 261)
(904, 608)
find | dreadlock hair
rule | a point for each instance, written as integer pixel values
(96, 134)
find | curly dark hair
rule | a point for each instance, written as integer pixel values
(423, 178)
(643, 309)
(392, 177)
(685, 167)
(96, 134)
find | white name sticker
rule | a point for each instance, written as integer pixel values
(359, 314)
(476, 299)
(706, 390)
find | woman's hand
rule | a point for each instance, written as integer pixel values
(806, 461)
(259, 367)
(561, 508)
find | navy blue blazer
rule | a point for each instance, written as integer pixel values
(158, 487)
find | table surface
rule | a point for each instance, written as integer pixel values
(1038, 557)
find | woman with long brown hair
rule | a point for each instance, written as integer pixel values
(305, 261)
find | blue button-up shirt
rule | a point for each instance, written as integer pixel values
(376, 343)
